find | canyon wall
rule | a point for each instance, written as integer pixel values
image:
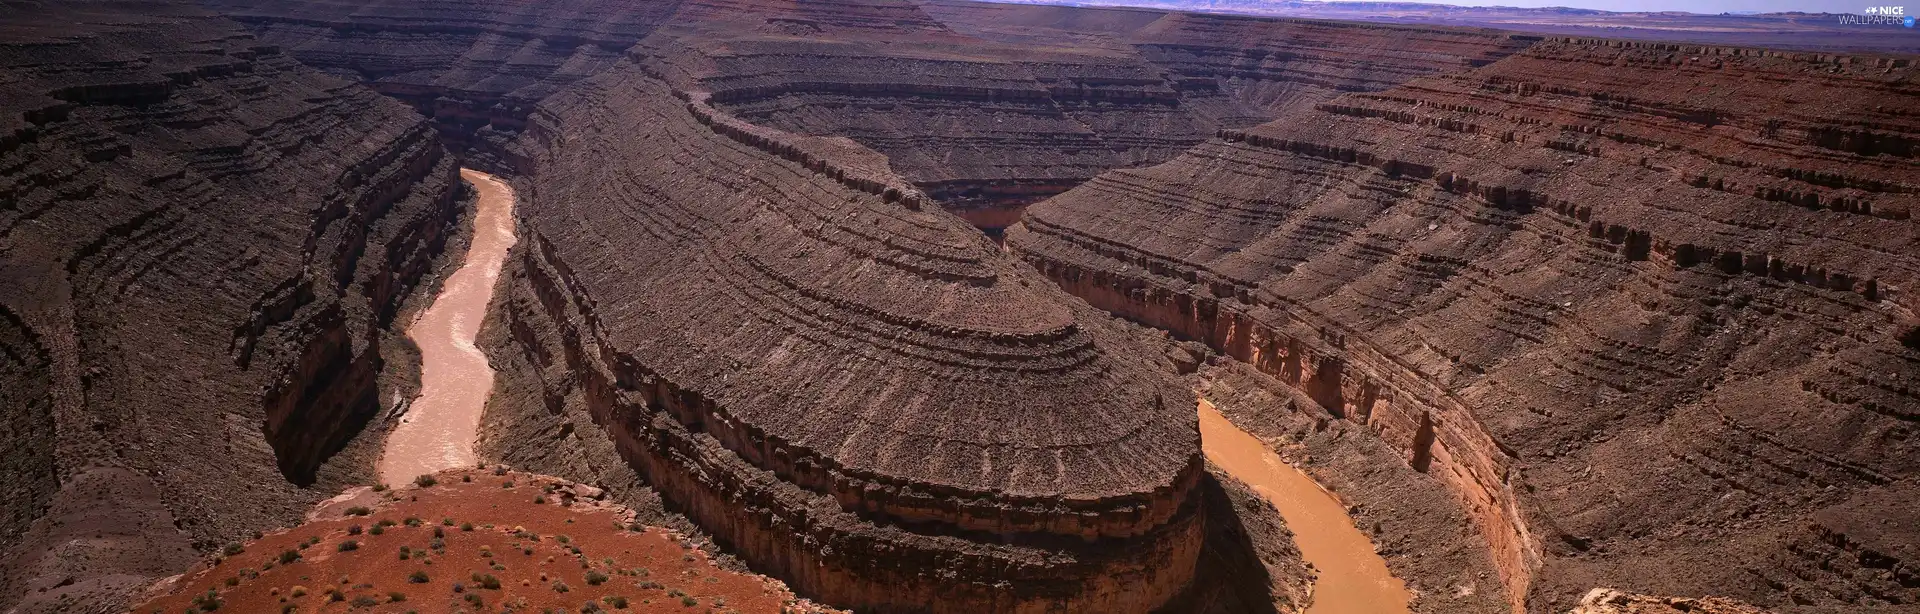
(1643, 307)
(477, 68)
(850, 389)
(986, 108)
(201, 242)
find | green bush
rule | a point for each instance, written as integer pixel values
(425, 481)
(418, 577)
(349, 546)
(233, 549)
(289, 556)
(359, 510)
(595, 578)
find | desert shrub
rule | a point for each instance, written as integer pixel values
(414, 521)
(499, 469)
(595, 578)
(617, 601)
(475, 599)
(336, 595)
(387, 522)
(359, 510)
(233, 581)
(689, 601)
(466, 526)
(208, 602)
(425, 481)
(365, 601)
(378, 529)
(561, 587)
(233, 549)
(396, 596)
(289, 556)
(349, 546)
(354, 529)
(539, 499)
(466, 478)
(418, 577)
(298, 591)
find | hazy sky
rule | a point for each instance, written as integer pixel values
(1700, 6)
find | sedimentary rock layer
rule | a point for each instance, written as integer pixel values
(476, 68)
(999, 114)
(854, 391)
(981, 106)
(200, 241)
(1641, 306)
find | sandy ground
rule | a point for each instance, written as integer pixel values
(545, 542)
(438, 430)
(1353, 578)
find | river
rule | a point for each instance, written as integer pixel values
(1353, 578)
(438, 430)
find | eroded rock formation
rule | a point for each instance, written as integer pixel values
(200, 243)
(855, 392)
(980, 106)
(1641, 306)
(476, 68)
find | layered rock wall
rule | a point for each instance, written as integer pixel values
(819, 371)
(1631, 322)
(476, 68)
(201, 242)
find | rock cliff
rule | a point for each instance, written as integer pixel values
(983, 107)
(852, 390)
(476, 68)
(200, 244)
(1643, 307)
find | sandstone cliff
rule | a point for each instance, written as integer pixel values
(853, 391)
(986, 108)
(1643, 307)
(476, 68)
(200, 242)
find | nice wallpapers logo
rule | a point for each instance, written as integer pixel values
(1880, 15)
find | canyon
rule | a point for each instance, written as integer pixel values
(903, 306)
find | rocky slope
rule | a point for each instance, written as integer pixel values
(986, 108)
(201, 242)
(471, 540)
(1644, 308)
(852, 391)
(476, 68)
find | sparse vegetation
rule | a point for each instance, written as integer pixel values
(595, 578)
(617, 601)
(486, 581)
(298, 591)
(359, 510)
(208, 602)
(396, 596)
(233, 549)
(418, 577)
(354, 529)
(289, 556)
(365, 601)
(425, 481)
(349, 546)
(378, 529)
(561, 587)
(689, 601)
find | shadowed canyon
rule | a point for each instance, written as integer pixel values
(945, 306)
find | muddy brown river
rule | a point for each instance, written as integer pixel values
(438, 430)
(1353, 578)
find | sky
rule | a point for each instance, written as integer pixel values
(1699, 6)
